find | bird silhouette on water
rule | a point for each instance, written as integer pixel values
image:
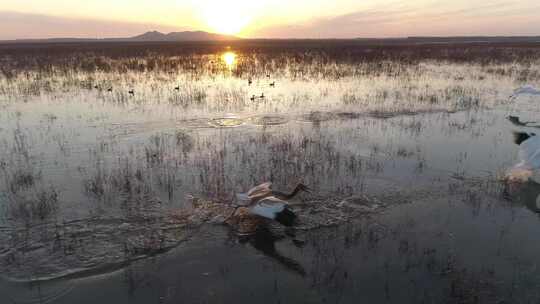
(517, 122)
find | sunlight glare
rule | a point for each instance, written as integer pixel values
(229, 17)
(230, 59)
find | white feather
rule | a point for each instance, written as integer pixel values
(264, 188)
(526, 90)
(529, 156)
(529, 153)
(242, 199)
(268, 207)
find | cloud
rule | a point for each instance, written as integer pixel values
(17, 25)
(496, 18)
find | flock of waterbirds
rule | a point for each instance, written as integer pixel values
(131, 92)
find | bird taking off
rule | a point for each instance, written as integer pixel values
(265, 202)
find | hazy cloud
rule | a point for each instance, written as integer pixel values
(497, 18)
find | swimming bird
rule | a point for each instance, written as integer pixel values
(265, 202)
(96, 87)
(109, 90)
(262, 96)
(177, 88)
(250, 81)
(529, 155)
(273, 84)
(253, 98)
(131, 92)
(525, 90)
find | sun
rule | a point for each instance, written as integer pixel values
(228, 17)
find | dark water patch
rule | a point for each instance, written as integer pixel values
(89, 247)
(317, 117)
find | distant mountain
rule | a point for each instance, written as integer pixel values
(452, 39)
(152, 36)
(182, 36)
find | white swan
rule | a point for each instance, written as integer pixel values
(265, 202)
(529, 155)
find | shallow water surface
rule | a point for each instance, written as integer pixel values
(98, 194)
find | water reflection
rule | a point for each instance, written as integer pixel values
(264, 240)
(230, 59)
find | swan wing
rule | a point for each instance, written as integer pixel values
(268, 207)
(242, 199)
(260, 190)
(529, 152)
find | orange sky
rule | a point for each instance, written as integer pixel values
(268, 18)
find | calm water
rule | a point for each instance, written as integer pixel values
(78, 164)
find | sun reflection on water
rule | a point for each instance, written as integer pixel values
(230, 59)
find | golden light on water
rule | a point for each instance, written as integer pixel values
(230, 59)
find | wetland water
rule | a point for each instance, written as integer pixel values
(93, 182)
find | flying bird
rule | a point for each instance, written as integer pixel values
(265, 202)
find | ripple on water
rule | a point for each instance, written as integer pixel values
(268, 120)
(317, 117)
(226, 122)
(48, 292)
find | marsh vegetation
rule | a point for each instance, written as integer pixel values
(105, 148)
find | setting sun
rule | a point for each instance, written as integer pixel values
(228, 17)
